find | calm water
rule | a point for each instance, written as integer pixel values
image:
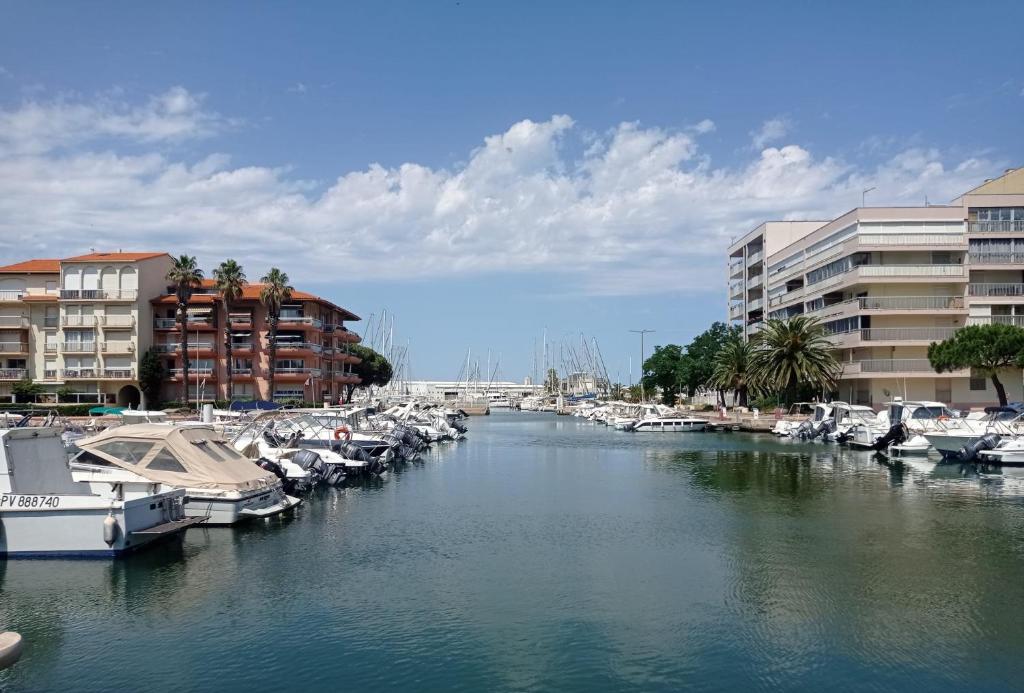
(544, 553)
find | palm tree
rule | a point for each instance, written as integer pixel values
(229, 280)
(794, 352)
(732, 369)
(186, 277)
(274, 293)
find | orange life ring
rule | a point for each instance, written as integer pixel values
(342, 429)
(943, 418)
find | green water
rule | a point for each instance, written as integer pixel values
(547, 553)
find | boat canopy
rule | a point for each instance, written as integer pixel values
(194, 457)
(258, 404)
(102, 411)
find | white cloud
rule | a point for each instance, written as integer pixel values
(641, 210)
(36, 127)
(704, 127)
(297, 88)
(771, 131)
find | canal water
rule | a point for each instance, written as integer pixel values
(545, 553)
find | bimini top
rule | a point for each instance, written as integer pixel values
(193, 457)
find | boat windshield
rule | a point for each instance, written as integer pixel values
(931, 413)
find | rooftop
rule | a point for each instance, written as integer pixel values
(114, 257)
(29, 266)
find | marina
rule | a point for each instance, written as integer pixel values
(548, 552)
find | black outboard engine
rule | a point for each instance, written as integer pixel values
(824, 428)
(307, 459)
(988, 441)
(273, 467)
(896, 434)
(805, 430)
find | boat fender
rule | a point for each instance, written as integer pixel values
(110, 530)
(342, 430)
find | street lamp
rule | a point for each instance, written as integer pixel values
(864, 194)
(643, 395)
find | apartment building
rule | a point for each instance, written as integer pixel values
(313, 362)
(72, 325)
(889, 281)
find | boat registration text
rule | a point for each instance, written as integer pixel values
(13, 501)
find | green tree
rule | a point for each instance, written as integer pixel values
(230, 281)
(732, 369)
(789, 353)
(551, 382)
(702, 352)
(983, 348)
(666, 369)
(273, 295)
(186, 277)
(373, 369)
(151, 377)
(25, 389)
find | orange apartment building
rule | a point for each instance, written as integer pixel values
(313, 359)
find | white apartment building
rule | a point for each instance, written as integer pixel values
(76, 323)
(889, 281)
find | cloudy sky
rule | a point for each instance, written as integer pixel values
(484, 170)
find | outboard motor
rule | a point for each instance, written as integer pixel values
(351, 451)
(273, 467)
(897, 433)
(987, 442)
(307, 459)
(824, 428)
(804, 430)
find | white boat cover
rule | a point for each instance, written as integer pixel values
(192, 457)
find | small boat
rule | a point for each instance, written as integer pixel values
(669, 424)
(219, 482)
(45, 512)
(962, 438)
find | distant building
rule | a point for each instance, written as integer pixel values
(887, 282)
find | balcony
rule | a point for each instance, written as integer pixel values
(13, 347)
(240, 319)
(295, 373)
(755, 304)
(165, 323)
(902, 303)
(193, 373)
(117, 347)
(912, 239)
(99, 294)
(736, 311)
(51, 321)
(293, 320)
(13, 373)
(983, 258)
(736, 269)
(1016, 320)
(118, 373)
(241, 347)
(116, 320)
(11, 295)
(78, 347)
(907, 334)
(13, 322)
(754, 258)
(51, 374)
(345, 335)
(78, 320)
(78, 373)
(908, 271)
(889, 366)
(996, 290)
(285, 347)
(51, 347)
(1016, 226)
(241, 373)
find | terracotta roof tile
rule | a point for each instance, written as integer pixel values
(114, 257)
(33, 266)
(251, 292)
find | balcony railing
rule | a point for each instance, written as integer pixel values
(910, 270)
(241, 346)
(890, 366)
(78, 347)
(78, 320)
(13, 347)
(241, 372)
(300, 320)
(99, 294)
(755, 304)
(754, 258)
(1017, 320)
(240, 319)
(192, 372)
(1016, 226)
(51, 347)
(305, 346)
(12, 373)
(119, 373)
(735, 268)
(984, 258)
(315, 372)
(117, 347)
(51, 321)
(13, 321)
(165, 323)
(78, 373)
(736, 310)
(911, 302)
(11, 295)
(116, 320)
(907, 334)
(51, 374)
(996, 289)
(912, 239)
(736, 290)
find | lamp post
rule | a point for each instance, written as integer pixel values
(643, 395)
(864, 195)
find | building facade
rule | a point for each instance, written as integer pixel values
(313, 360)
(887, 282)
(78, 324)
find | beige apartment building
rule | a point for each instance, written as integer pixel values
(74, 324)
(887, 282)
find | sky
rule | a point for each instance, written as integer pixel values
(489, 172)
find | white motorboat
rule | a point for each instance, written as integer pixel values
(45, 512)
(899, 429)
(669, 424)
(1009, 451)
(218, 481)
(962, 438)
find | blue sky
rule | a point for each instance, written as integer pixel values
(485, 170)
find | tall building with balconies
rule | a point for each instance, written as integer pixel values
(887, 282)
(313, 361)
(28, 314)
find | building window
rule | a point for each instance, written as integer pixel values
(979, 383)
